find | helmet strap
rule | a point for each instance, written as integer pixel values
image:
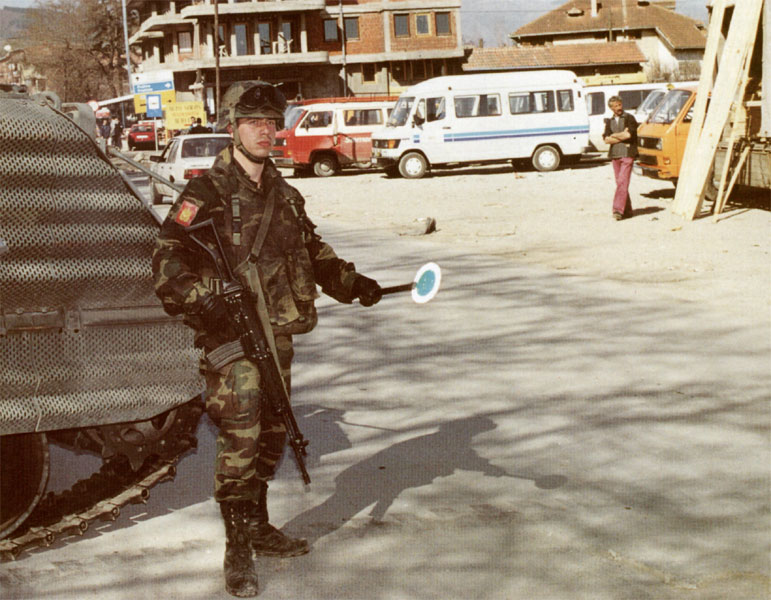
(238, 144)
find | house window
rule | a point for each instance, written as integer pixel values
(443, 23)
(368, 72)
(242, 46)
(330, 30)
(421, 25)
(565, 100)
(285, 37)
(185, 41)
(401, 25)
(397, 69)
(263, 29)
(351, 28)
(222, 43)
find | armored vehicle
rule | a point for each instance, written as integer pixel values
(88, 359)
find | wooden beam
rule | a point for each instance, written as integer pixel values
(693, 178)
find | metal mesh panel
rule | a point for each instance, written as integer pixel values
(74, 232)
(77, 239)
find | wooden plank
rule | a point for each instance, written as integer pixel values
(719, 206)
(741, 35)
(706, 79)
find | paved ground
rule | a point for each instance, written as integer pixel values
(530, 434)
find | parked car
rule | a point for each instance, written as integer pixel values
(329, 134)
(185, 157)
(141, 135)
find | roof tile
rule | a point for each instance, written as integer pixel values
(553, 57)
(679, 31)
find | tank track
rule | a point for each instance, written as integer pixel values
(102, 495)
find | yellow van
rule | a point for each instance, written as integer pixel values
(662, 137)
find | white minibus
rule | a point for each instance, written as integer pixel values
(476, 119)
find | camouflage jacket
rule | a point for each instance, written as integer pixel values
(292, 260)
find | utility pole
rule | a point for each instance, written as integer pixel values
(216, 58)
(345, 66)
(126, 42)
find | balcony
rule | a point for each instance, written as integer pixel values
(247, 8)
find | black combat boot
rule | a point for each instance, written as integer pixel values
(266, 539)
(240, 573)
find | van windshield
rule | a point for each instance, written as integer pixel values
(670, 107)
(292, 115)
(650, 102)
(401, 112)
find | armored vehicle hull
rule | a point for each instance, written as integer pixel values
(88, 358)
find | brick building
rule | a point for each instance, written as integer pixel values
(314, 47)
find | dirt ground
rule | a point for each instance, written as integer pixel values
(562, 220)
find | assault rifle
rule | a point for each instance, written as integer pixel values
(251, 333)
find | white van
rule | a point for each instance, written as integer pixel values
(473, 119)
(633, 95)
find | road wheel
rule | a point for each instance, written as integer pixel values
(413, 165)
(325, 166)
(546, 158)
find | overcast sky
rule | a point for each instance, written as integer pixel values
(494, 20)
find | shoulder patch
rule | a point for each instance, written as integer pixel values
(186, 214)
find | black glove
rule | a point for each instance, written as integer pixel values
(214, 315)
(366, 290)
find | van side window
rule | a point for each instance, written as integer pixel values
(434, 109)
(366, 116)
(565, 100)
(482, 105)
(319, 119)
(595, 102)
(532, 102)
(632, 98)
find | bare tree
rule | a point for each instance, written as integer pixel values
(78, 46)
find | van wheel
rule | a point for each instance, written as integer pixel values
(325, 166)
(546, 158)
(413, 165)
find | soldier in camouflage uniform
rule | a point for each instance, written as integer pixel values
(273, 248)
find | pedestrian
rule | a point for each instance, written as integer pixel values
(211, 123)
(199, 128)
(280, 257)
(117, 133)
(104, 130)
(621, 133)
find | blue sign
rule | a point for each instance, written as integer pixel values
(154, 107)
(153, 86)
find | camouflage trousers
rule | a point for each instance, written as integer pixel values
(251, 436)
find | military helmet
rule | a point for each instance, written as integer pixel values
(251, 99)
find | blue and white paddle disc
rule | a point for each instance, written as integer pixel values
(426, 283)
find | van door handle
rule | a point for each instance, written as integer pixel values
(446, 127)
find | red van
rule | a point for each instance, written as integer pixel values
(329, 134)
